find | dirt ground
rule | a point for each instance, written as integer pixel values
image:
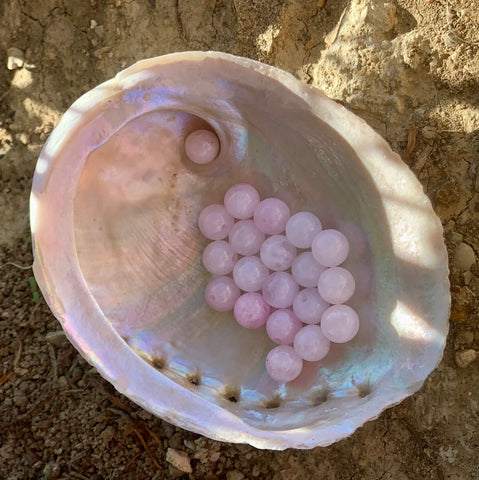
(409, 67)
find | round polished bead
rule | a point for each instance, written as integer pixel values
(279, 289)
(251, 310)
(221, 294)
(306, 270)
(330, 248)
(271, 216)
(301, 229)
(308, 306)
(283, 364)
(340, 323)
(246, 238)
(241, 200)
(336, 285)
(202, 146)
(282, 325)
(277, 253)
(310, 343)
(249, 273)
(215, 222)
(219, 258)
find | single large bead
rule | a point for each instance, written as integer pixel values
(202, 146)
(301, 229)
(246, 238)
(308, 306)
(271, 216)
(249, 273)
(330, 248)
(340, 323)
(221, 294)
(282, 326)
(277, 253)
(283, 364)
(336, 285)
(311, 344)
(241, 200)
(251, 310)
(219, 258)
(279, 290)
(306, 270)
(215, 222)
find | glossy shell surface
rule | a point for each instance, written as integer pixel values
(114, 211)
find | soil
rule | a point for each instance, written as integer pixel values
(409, 67)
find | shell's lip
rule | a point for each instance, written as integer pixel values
(54, 247)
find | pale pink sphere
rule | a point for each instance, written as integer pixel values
(271, 216)
(311, 344)
(279, 290)
(219, 258)
(241, 200)
(308, 306)
(221, 294)
(246, 238)
(283, 364)
(249, 273)
(301, 229)
(202, 146)
(306, 270)
(215, 222)
(336, 285)
(330, 248)
(251, 310)
(282, 325)
(277, 253)
(340, 323)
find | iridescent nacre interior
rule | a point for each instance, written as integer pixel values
(135, 203)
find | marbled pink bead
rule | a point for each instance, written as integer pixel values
(215, 222)
(271, 216)
(241, 200)
(330, 248)
(336, 285)
(340, 323)
(221, 294)
(283, 364)
(310, 343)
(301, 229)
(277, 253)
(282, 325)
(308, 306)
(306, 270)
(246, 238)
(202, 146)
(249, 273)
(279, 290)
(251, 310)
(219, 258)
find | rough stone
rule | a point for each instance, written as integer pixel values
(179, 460)
(464, 257)
(16, 58)
(465, 357)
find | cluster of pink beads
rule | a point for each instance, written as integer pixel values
(256, 227)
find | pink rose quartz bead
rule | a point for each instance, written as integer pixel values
(310, 343)
(246, 238)
(202, 146)
(282, 325)
(271, 216)
(249, 274)
(330, 248)
(215, 222)
(221, 294)
(219, 258)
(306, 270)
(241, 200)
(336, 285)
(340, 323)
(308, 306)
(277, 253)
(283, 364)
(251, 310)
(279, 290)
(301, 229)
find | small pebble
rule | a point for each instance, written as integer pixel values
(465, 357)
(15, 58)
(179, 460)
(57, 339)
(464, 257)
(234, 475)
